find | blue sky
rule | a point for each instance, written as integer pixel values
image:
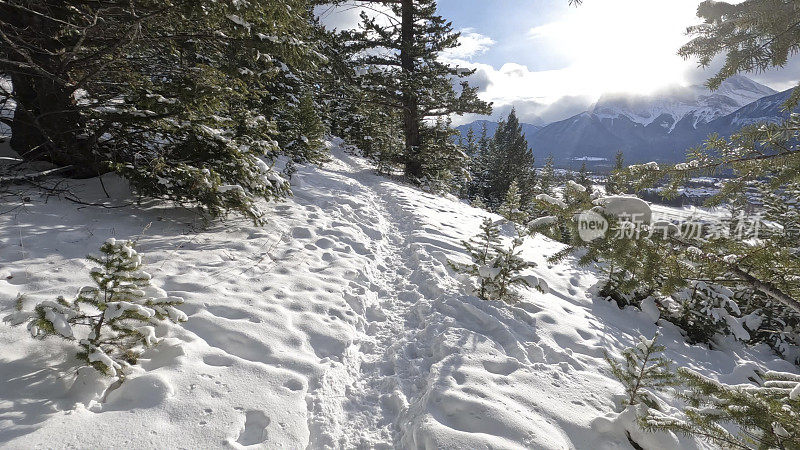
(551, 61)
(508, 23)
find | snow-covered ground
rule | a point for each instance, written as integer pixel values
(338, 324)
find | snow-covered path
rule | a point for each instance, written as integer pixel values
(337, 325)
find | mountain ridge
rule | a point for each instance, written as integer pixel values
(659, 127)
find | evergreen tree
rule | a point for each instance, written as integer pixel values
(408, 76)
(643, 373)
(615, 184)
(482, 248)
(754, 35)
(510, 159)
(302, 136)
(505, 272)
(181, 98)
(479, 167)
(583, 178)
(496, 268)
(763, 416)
(547, 177)
(511, 208)
(446, 162)
(120, 312)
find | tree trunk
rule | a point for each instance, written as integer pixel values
(411, 119)
(47, 124)
(48, 127)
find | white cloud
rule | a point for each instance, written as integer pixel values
(602, 46)
(347, 16)
(471, 44)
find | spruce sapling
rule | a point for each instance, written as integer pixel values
(496, 268)
(112, 321)
(643, 372)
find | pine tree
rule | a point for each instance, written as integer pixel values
(547, 177)
(469, 146)
(482, 248)
(509, 159)
(763, 416)
(755, 35)
(505, 272)
(583, 177)
(180, 98)
(643, 373)
(119, 313)
(704, 310)
(301, 138)
(496, 268)
(479, 168)
(615, 184)
(409, 77)
(511, 208)
(446, 163)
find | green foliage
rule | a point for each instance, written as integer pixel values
(114, 320)
(754, 36)
(583, 177)
(406, 76)
(496, 268)
(511, 208)
(642, 372)
(301, 138)
(547, 177)
(445, 161)
(616, 182)
(703, 310)
(503, 160)
(761, 416)
(480, 167)
(184, 99)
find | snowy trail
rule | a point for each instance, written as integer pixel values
(337, 325)
(382, 376)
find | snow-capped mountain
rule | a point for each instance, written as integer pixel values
(669, 107)
(658, 127)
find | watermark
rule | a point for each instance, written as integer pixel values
(593, 225)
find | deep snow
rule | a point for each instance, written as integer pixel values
(338, 324)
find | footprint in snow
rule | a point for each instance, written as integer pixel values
(255, 428)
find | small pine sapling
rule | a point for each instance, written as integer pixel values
(511, 208)
(644, 371)
(496, 268)
(505, 272)
(119, 313)
(482, 248)
(763, 416)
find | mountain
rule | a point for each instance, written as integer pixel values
(669, 107)
(658, 127)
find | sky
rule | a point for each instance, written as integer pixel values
(550, 60)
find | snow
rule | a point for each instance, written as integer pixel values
(552, 200)
(542, 221)
(338, 324)
(650, 308)
(673, 104)
(626, 208)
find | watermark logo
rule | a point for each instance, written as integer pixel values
(591, 226)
